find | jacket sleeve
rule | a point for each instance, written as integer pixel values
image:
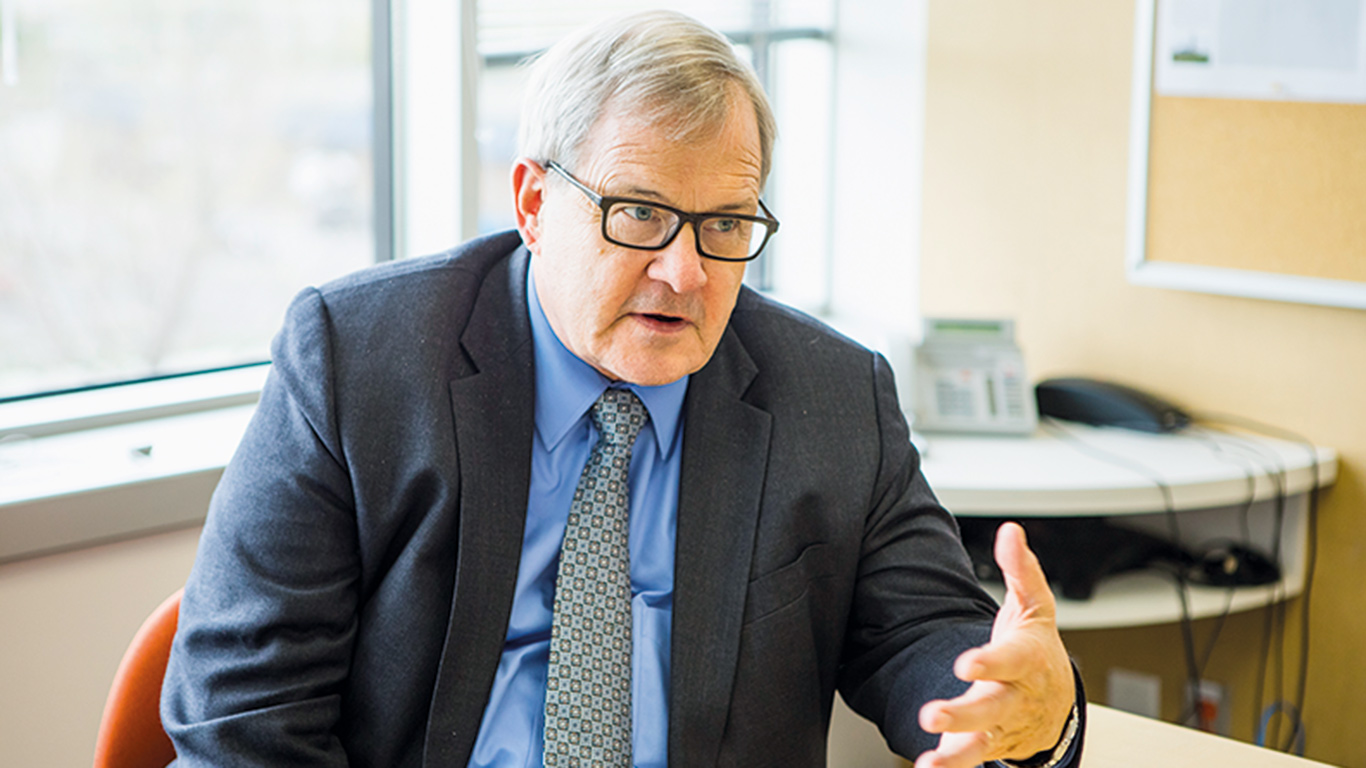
(917, 604)
(269, 613)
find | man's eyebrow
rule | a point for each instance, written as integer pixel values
(650, 194)
(642, 192)
(742, 208)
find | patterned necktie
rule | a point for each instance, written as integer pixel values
(588, 690)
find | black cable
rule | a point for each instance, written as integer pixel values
(1311, 553)
(1268, 615)
(1277, 622)
(1277, 663)
(1273, 627)
(1249, 476)
(1169, 508)
(1244, 524)
(1192, 710)
(1218, 628)
(1274, 612)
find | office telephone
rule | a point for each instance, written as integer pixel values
(1107, 404)
(970, 377)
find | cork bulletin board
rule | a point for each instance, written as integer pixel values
(1249, 197)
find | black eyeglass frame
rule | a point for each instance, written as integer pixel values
(605, 203)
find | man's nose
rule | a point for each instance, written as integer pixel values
(679, 264)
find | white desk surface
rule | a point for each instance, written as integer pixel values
(1070, 469)
(1116, 739)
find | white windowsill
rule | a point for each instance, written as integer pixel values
(106, 406)
(96, 466)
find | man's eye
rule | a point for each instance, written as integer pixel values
(725, 226)
(640, 212)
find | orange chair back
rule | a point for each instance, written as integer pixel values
(130, 734)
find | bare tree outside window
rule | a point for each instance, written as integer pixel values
(171, 172)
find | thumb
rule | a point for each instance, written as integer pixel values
(1024, 577)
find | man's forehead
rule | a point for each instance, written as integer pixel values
(641, 151)
(678, 123)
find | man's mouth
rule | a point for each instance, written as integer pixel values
(662, 322)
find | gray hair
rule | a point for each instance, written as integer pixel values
(663, 67)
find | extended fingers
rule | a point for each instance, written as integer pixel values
(1005, 662)
(960, 750)
(1023, 575)
(981, 708)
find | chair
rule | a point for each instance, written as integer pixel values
(130, 733)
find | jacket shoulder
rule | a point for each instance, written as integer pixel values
(774, 333)
(474, 258)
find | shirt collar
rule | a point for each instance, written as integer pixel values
(566, 387)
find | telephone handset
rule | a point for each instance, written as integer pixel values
(970, 377)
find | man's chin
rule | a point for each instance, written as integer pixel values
(654, 369)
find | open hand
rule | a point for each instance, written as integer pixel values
(1022, 688)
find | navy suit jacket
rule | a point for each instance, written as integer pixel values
(350, 597)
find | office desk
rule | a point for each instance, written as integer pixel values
(1116, 739)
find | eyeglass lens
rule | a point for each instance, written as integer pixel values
(636, 224)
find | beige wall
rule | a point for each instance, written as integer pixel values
(65, 621)
(1027, 118)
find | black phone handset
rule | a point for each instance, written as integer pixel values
(1104, 403)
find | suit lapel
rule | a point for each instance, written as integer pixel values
(494, 422)
(725, 453)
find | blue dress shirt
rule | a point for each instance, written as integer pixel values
(511, 733)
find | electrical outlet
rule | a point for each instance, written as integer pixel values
(1135, 692)
(1209, 709)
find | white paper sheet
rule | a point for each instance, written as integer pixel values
(1296, 50)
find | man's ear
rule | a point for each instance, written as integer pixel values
(528, 195)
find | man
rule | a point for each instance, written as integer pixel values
(418, 555)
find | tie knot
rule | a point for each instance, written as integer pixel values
(618, 414)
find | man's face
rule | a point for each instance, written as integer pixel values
(647, 317)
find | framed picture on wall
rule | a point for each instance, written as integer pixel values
(1247, 172)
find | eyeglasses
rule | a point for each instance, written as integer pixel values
(652, 226)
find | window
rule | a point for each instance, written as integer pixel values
(171, 173)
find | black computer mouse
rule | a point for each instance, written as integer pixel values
(1106, 404)
(1230, 564)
